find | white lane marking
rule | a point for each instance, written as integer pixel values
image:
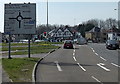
(79, 45)
(115, 65)
(81, 67)
(96, 53)
(74, 46)
(103, 58)
(74, 58)
(74, 50)
(58, 66)
(73, 54)
(101, 65)
(96, 79)
(93, 50)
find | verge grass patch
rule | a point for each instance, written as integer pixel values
(19, 69)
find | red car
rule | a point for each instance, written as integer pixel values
(68, 44)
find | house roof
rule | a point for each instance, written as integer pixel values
(95, 29)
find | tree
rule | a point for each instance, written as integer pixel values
(111, 22)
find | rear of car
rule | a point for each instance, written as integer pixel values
(68, 44)
(112, 44)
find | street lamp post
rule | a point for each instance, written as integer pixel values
(47, 13)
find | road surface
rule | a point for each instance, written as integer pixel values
(84, 63)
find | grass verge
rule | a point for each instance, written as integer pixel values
(34, 49)
(19, 69)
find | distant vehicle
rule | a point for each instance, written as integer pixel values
(112, 44)
(39, 40)
(68, 44)
(81, 41)
(23, 40)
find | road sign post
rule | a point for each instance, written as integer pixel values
(9, 54)
(20, 19)
(29, 46)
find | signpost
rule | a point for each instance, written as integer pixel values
(20, 19)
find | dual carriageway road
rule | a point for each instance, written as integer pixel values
(84, 63)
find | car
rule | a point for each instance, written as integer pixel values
(81, 41)
(112, 44)
(68, 44)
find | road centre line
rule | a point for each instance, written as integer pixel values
(74, 58)
(96, 53)
(93, 50)
(58, 66)
(96, 79)
(103, 58)
(115, 65)
(74, 50)
(73, 54)
(101, 65)
(81, 67)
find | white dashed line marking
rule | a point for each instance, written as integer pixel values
(74, 51)
(81, 67)
(74, 58)
(58, 66)
(102, 66)
(93, 50)
(115, 65)
(103, 58)
(96, 53)
(73, 54)
(96, 79)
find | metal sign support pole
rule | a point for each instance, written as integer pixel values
(9, 54)
(29, 46)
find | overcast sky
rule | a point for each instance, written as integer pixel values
(68, 12)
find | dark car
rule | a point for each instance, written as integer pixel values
(112, 44)
(68, 44)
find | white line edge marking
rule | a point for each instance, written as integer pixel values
(81, 67)
(58, 66)
(100, 65)
(103, 58)
(115, 65)
(74, 58)
(96, 79)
